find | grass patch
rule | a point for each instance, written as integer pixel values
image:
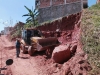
(91, 36)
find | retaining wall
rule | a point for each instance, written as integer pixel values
(54, 12)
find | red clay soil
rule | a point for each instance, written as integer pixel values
(40, 63)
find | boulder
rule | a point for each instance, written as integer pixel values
(61, 53)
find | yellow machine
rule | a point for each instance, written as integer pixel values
(32, 41)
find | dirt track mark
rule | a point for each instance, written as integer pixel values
(4, 56)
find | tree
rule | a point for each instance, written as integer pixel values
(32, 16)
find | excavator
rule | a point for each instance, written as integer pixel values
(33, 40)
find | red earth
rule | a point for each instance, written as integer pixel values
(40, 63)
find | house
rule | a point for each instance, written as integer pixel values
(53, 9)
(17, 26)
(2, 32)
(7, 30)
(98, 1)
(48, 3)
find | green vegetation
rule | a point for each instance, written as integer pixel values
(31, 21)
(15, 33)
(32, 17)
(91, 36)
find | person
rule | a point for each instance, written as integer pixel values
(17, 47)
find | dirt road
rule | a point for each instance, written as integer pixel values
(5, 53)
(25, 65)
(40, 64)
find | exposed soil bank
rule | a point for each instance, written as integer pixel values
(69, 33)
(69, 28)
(40, 63)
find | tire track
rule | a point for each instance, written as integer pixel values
(21, 66)
(4, 56)
(3, 43)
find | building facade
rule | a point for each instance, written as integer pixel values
(48, 3)
(7, 30)
(98, 1)
(2, 32)
(53, 9)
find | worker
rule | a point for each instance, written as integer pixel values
(17, 47)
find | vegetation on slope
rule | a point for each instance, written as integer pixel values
(91, 36)
(32, 19)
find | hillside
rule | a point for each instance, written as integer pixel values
(91, 36)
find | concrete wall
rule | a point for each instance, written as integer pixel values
(44, 3)
(54, 12)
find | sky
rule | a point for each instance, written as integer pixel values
(11, 11)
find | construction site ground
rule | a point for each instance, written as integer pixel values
(39, 64)
(25, 64)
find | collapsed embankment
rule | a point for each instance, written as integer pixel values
(69, 28)
(69, 52)
(72, 59)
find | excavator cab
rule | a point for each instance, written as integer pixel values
(28, 33)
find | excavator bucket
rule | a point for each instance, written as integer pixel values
(44, 43)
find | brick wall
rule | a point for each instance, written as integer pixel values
(54, 12)
(57, 2)
(69, 1)
(98, 1)
(53, 9)
(48, 3)
(44, 3)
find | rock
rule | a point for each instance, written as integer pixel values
(73, 48)
(61, 53)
